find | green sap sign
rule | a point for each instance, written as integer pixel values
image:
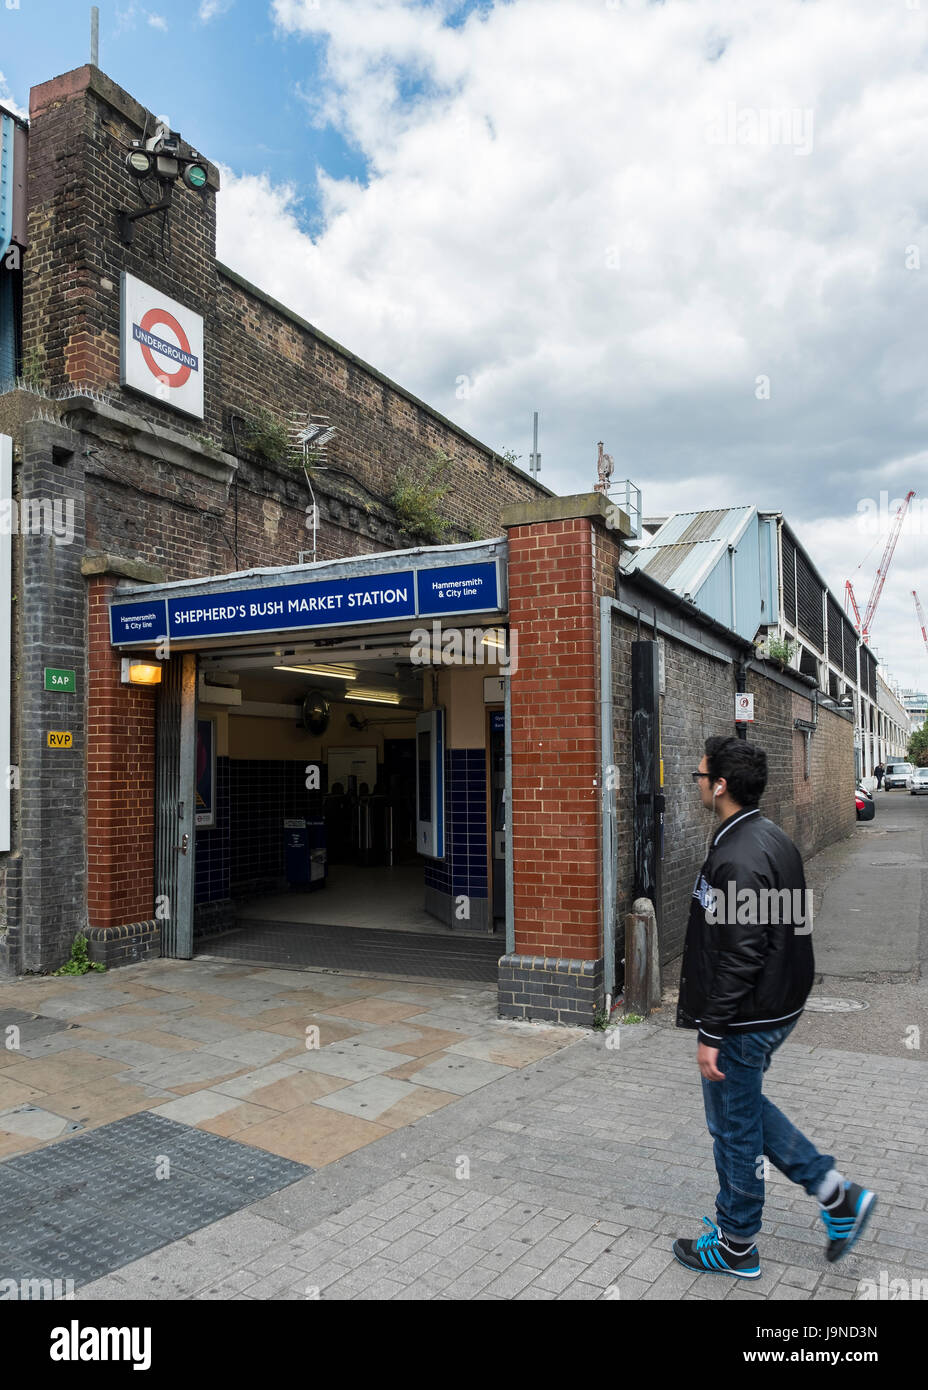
(60, 680)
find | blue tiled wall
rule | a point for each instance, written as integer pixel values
(464, 868)
(254, 796)
(246, 846)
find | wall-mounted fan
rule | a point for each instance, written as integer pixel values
(315, 712)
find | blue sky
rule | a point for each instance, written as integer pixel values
(232, 84)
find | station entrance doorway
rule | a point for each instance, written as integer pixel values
(308, 841)
(329, 798)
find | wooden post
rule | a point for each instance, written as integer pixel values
(642, 959)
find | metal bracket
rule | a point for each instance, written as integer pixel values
(125, 220)
(807, 729)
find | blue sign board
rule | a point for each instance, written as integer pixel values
(139, 622)
(398, 594)
(498, 721)
(457, 589)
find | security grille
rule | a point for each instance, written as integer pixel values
(809, 602)
(850, 651)
(835, 634)
(789, 580)
(175, 834)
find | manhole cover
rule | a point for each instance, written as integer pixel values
(825, 1005)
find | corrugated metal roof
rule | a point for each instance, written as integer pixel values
(686, 547)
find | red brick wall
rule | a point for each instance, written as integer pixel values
(555, 741)
(120, 779)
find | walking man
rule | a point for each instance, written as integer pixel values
(878, 774)
(747, 970)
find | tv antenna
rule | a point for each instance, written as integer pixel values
(534, 458)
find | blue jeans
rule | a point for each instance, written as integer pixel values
(745, 1127)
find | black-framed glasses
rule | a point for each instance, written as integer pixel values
(696, 775)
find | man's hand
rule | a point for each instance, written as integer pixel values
(706, 1058)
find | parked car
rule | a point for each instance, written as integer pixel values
(897, 775)
(917, 783)
(866, 806)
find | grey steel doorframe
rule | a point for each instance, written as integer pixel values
(175, 789)
(510, 890)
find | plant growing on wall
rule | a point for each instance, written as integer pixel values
(79, 961)
(266, 436)
(415, 498)
(779, 650)
(34, 368)
(208, 443)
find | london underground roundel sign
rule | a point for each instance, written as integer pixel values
(161, 347)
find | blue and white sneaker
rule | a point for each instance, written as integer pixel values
(711, 1255)
(845, 1218)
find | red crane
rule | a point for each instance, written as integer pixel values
(863, 627)
(921, 618)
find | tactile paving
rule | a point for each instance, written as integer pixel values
(83, 1207)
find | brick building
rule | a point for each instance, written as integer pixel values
(241, 718)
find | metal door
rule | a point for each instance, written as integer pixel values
(175, 835)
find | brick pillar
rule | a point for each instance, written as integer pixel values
(120, 797)
(561, 560)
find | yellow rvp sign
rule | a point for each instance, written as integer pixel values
(60, 739)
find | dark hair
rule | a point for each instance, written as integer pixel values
(743, 765)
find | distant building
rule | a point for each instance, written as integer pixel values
(748, 570)
(916, 707)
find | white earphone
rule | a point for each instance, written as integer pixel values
(716, 789)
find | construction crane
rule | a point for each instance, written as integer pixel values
(863, 626)
(921, 618)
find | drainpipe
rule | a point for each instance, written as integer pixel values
(607, 797)
(858, 720)
(507, 792)
(734, 606)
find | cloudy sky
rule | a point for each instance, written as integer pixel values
(693, 229)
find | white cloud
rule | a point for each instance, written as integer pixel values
(209, 9)
(6, 98)
(158, 21)
(634, 219)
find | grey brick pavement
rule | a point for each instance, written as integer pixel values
(582, 1168)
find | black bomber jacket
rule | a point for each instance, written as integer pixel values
(747, 961)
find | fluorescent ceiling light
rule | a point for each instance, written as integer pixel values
(341, 673)
(374, 697)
